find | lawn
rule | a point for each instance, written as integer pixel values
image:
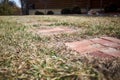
(27, 55)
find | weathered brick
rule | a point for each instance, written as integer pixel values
(57, 30)
(98, 47)
(79, 43)
(85, 46)
(90, 48)
(100, 54)
(112, 39)
(51, 30)
(105, 43)
(111, 51)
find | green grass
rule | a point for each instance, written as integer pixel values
(27, 56)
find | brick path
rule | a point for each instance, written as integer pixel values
(38, 23)
(104, 47)
(57, 30)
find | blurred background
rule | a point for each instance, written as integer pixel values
(58, 7)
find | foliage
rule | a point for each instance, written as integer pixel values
(50, 12)
(76, 10)
(12, 3)
(39, 13)
(66, 11)
(8, 8)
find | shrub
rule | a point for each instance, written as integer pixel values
(6, 10)
(50, 13)
(66, 11)
(39, 13)
(76, 10)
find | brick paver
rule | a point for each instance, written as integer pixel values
(111, 51)
(31, 23)
(56, 30)
(105, 47)
(100, 54)
(111, 39)
(106, 42)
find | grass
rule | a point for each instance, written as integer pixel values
(27, 56)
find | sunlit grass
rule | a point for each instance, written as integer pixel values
(28, 56)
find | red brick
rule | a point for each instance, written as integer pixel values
(105, 43)
(51, 30)
(100, 54)
(111, 51)
(85, 46)
(90, 48)
(112, 39)
(83, 43)
(86, 49)
(97, 47)
(56, 30)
